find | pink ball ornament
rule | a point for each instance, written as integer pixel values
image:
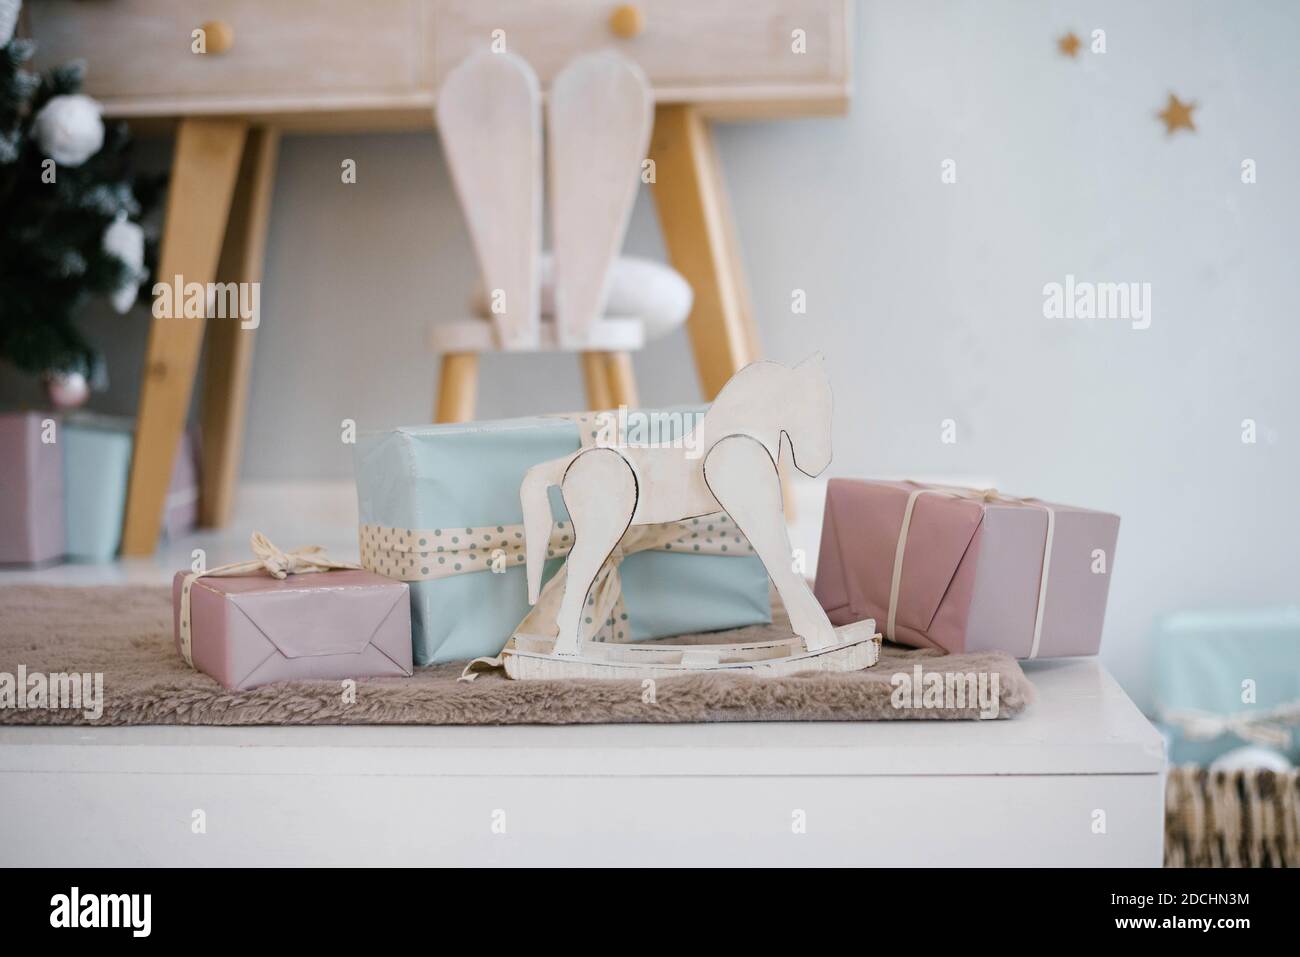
(66, 390)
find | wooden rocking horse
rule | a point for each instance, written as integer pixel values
(610, 490)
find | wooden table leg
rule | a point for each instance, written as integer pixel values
(696, 224)
(596, 378)
(457, 385)
(622, 380)
(204, 170)
(229, 355)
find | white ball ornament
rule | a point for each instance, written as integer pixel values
(69, 129)
(125, 240)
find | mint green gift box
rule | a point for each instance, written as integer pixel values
(467, 476)
(1207, 662)
(96, 464)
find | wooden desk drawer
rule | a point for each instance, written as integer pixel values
(138, 49)
(690, 49)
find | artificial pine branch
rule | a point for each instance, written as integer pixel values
(52, 256)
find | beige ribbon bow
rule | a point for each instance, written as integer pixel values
(268, 558)
(1270, 728)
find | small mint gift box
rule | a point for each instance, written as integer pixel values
(96, 464)
(96, 469)
(1226, 679)
(439, 509)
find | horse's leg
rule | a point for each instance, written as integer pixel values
(600, 495)
(744, 480)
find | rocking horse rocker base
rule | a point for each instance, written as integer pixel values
(532, 658)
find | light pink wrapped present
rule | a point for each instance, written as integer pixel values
(31, 491)
(271, 619)
(965, 570)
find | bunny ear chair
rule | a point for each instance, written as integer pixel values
(583, 296)
(620, 499)
(489, 118)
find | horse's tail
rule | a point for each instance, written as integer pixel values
(535, 498)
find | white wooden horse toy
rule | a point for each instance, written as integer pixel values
(610, 490)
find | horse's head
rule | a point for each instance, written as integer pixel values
(807, 421)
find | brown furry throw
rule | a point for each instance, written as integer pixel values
(125, 632)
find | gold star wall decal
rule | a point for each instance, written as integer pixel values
(1068, 45)
(1177, 115)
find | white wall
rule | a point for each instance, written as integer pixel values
(926, 297)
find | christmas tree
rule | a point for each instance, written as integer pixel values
(70, 212)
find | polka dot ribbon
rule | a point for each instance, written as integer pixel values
(267, 558)
(414, 555)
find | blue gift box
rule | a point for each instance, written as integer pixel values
(96, 464)
(467, 476)
(1206, 663)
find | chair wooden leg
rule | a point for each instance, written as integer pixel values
(696, 222)
(229, 354)
(204, 171)
(622, 380)
(457, 385)
(695, 217)
(596, 377)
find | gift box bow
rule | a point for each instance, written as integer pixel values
(1271, 728)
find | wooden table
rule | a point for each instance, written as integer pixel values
(348, 65)
(1077, 780)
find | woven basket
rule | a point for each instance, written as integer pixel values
(1247, 818)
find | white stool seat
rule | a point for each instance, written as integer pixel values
(655, 292)
(478, 335)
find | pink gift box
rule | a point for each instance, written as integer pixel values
(251, 630)
(975, 571)
(31, 491)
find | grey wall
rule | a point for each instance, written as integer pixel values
(926, 297)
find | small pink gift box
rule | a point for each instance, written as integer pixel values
(31, 491)
(253, 629)
(965, 570)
